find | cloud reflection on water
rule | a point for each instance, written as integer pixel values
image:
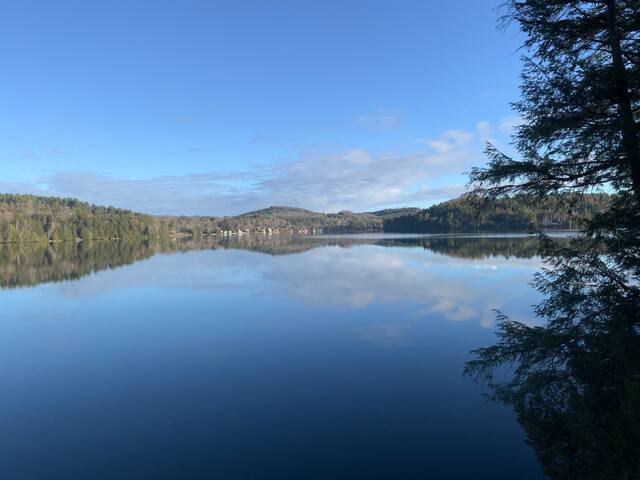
(424, 283)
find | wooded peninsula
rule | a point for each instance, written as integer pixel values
(29, 218)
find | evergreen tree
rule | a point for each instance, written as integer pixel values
(576, 381)
(580, 100)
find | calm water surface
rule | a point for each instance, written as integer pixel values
(272, 357)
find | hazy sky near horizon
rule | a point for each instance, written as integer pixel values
(219, 107)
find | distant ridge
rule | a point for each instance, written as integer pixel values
(282, 210)
(276, 209)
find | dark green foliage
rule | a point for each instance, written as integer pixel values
(511, 213)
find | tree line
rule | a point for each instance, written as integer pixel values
(29, 218)
(511, 213)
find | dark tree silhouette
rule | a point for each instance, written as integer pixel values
(580, 99)
(575, 383)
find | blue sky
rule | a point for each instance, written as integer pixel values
(218, 107)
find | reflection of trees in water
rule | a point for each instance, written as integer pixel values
(476, 247)
(575, 385)
(31, 264)
(576, 393)
(575, 382)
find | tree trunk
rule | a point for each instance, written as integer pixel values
(627, 122)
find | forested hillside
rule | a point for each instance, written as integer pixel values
(28, 218)
(517, 213)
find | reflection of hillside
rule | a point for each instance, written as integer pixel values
(482, 247)
(289, 244)
(32, 264)
(272, 244)
(462, 247)
(575, 389)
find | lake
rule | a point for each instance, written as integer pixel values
(259, 357)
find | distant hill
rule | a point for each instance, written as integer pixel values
(279, 211)
(299, 220)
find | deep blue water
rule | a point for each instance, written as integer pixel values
(318, 362)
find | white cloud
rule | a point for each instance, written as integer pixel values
(353, 179)
(449, 140)
(508, 124)
(485, 130)
(427, 285)
(356, 179)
